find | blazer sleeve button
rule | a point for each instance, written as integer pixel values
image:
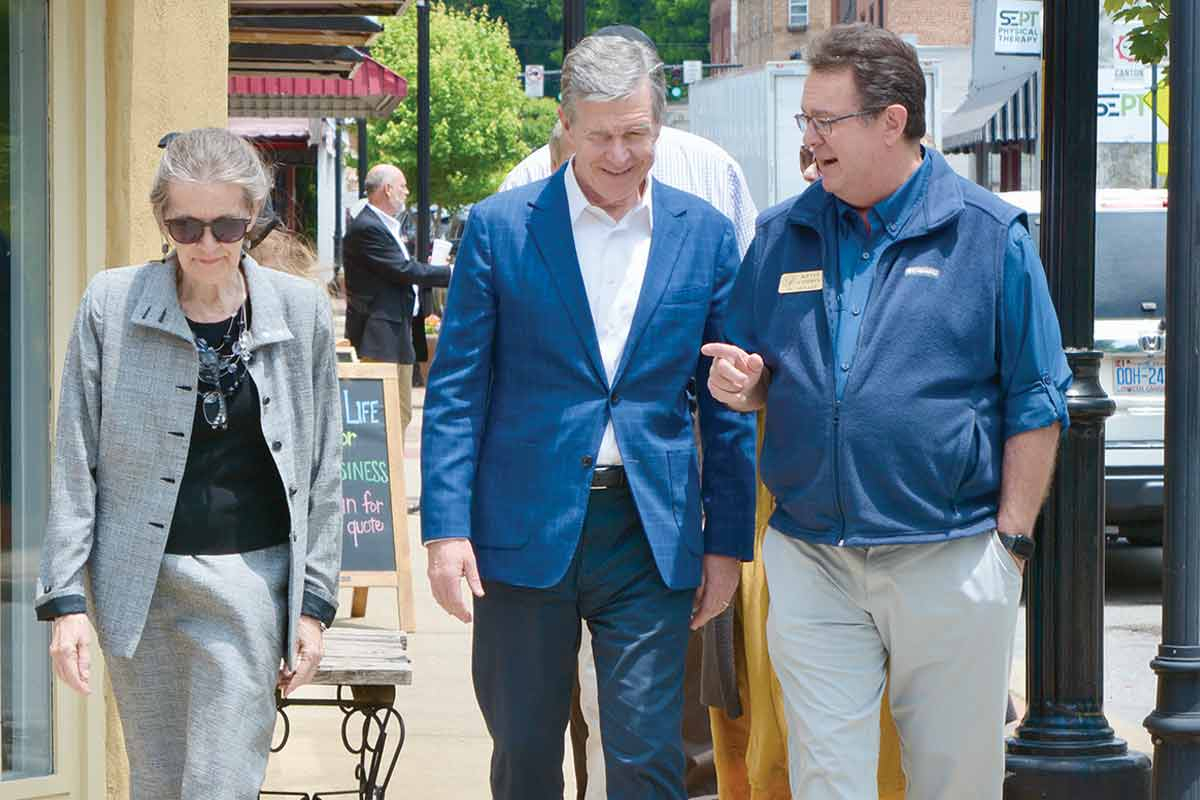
(586, 461)
(277, 446)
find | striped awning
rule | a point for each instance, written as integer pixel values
(373, 92)
(1004, 113)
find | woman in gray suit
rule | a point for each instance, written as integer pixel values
(195, 512)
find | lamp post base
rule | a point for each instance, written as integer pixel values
(1056, 776)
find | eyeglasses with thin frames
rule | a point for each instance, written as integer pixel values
(824, 127)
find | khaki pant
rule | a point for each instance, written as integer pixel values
(404, 374)
(935, 619)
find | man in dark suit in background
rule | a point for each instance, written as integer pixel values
(380, 281)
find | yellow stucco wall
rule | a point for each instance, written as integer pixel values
(167, 70)
(122, 73)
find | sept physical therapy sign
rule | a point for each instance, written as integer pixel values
(1019, 27)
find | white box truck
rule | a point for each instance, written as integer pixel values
(752, 115)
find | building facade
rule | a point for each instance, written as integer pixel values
(92, 85)
(777, 30)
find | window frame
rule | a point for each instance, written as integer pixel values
(799, 20)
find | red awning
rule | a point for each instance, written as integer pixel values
(374, 91)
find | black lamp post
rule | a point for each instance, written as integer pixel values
(422, 253)
(1065, 748)
(1175, 722)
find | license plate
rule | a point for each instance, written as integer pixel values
(1139, 375)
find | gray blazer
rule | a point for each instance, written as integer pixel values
(125, 424)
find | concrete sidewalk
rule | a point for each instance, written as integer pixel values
(447, 750)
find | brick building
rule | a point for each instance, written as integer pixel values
(756, 31)
(753, 32)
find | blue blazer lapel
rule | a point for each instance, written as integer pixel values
(550, 227)
(666, 243)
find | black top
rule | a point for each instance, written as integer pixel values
(231, 499)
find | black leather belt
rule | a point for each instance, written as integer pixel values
(609, 478)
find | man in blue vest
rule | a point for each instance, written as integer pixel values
(894, 321)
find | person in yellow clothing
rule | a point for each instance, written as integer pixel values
(750, 752)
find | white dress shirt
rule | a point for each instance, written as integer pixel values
(681, 160)
(612, 258)
(393, 226)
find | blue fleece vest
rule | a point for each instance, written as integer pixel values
(912, 452)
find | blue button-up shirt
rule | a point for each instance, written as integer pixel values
(1025, 360)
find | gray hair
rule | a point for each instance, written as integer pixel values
(378, 177)
(208, 156)
(607, 68)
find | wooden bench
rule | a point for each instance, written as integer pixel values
(366, 665)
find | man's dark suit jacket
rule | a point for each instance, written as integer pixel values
(379, 296)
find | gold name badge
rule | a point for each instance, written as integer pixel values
(791, 282)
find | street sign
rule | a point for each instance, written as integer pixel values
(693, 71)
(535, 80)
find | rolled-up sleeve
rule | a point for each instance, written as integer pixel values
(1033, 368)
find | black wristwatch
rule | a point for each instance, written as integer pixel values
(1018, 544)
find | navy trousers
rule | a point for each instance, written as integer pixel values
(524, 660)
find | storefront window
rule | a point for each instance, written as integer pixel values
(26, 711)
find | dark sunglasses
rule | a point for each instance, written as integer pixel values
(189, 230)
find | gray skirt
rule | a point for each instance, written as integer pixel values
(197, 699)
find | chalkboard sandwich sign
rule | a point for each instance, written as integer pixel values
(375, 549)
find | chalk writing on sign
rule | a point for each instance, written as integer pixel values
(366, 493)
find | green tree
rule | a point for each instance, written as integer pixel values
(679, 28)
(476, 103)
(538, 116)
(1147, 42)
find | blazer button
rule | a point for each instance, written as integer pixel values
(266, 401)
(616, 398)
(277, 446)
(586, 461)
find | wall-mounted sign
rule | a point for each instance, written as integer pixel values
(1019, 27)
(1122, 115)
(1128, 72)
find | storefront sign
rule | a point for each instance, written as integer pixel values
(1019, 27)
(1128, 72)
(1121, 114)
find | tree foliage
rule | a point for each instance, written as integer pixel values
(679, 28)
(537, 119)
(1147, 42)
(477, 126)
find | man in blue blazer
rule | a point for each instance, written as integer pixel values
(559, 459)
